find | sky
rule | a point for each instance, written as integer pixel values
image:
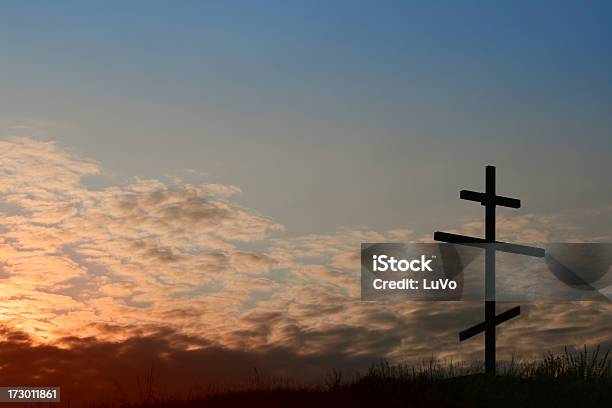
(192, 180)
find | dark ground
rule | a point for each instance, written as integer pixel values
(570, 379)
(468, 391)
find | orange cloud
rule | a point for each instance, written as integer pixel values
(149, 256)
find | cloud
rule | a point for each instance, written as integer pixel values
(129, 253)
(89, 369)
(152, 269)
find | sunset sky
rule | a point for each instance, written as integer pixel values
(188, 184)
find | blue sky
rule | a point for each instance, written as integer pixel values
(326, 114)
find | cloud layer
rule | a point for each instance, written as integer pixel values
(182, 270)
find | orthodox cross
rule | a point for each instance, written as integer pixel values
(489, 200)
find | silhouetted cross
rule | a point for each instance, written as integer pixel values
(489, 200)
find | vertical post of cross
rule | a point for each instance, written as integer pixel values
(490, 271)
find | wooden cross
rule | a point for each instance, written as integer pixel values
(489, 200)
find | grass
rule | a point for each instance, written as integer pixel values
(569, 379)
